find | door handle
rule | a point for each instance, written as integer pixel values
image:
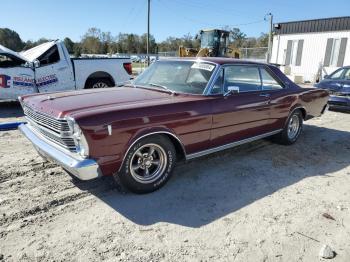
(265, 95)
(62, 68)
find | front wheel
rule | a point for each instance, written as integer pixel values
(98, 83)
(148, 165)
(292, 129)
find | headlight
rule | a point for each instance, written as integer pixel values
(79, 138)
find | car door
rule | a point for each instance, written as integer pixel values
(243, 114)
(281, 97)
(15, 78)
(54, 72)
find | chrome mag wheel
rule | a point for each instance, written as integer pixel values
(293, 126)
(100, 85)
(148, 163)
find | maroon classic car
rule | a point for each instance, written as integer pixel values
(178, 109)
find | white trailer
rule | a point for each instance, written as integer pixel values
(308, 50)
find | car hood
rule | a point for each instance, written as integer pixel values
(35, 52)
(11, 52)
(85, 102)
(31, 54)
(331, 86)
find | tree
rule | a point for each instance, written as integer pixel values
(152, 43)
(91, 43)
(30, 44)
(263, 40)
(10, 39)
(77, 49)
(237, 37)
(106, 41)
(173, 43)
(69, 45)
(94, 41)
(249, 42)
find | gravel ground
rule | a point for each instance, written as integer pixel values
(256, 202)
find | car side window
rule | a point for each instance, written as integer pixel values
(7, 61)
(347, 75)
(268, 81)
(246, 78)
(337, 74)
(51, 56)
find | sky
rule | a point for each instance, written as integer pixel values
(57, 19)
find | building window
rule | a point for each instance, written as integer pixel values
(293, 55)
(335, 52)
(294, 52)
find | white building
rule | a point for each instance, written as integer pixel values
(307, 50)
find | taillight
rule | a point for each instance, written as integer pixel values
(128, 68)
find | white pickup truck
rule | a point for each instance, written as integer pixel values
(49, 68)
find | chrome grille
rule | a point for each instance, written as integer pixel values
(54, 130)
(56, 125)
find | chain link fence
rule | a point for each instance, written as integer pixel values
(255, 53)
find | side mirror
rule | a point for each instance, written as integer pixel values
(232, 90)
(196, 37)
(29, 65)
(36, 63)
(326, 76)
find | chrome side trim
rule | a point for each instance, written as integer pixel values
(149, 134)
(237, 143)
(83, 169)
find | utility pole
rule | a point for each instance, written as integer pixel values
(148, 22)
(269, 51)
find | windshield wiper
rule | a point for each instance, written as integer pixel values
(164, 87)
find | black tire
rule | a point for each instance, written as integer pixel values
(92, 83)
(286, 137)
(133, 174)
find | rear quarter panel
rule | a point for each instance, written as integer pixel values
(313, 100)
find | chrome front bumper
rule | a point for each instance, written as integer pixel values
(83, 169)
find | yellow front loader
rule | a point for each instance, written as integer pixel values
(214, 43)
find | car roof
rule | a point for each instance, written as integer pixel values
(216, 60)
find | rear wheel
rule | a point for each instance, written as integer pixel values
(148, 165)
(99, 83)
(292, 129)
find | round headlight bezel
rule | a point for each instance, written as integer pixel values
(78, 137)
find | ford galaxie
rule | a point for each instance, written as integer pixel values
(178, 109)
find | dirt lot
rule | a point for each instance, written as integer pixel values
(257, 202)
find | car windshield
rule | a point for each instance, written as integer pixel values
(189, 77)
